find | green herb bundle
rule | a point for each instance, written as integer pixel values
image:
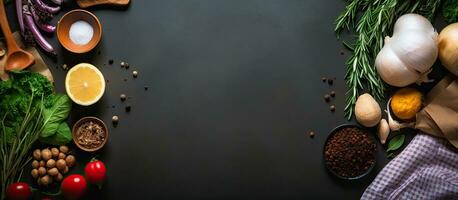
(29, 111)
(372, 21)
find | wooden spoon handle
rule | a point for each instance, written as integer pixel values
(10, 42)
(89, 3)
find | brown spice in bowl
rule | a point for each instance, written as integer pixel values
(350, 152)
(90, 135)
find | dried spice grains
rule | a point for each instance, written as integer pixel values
(90, 135)
(350, 152)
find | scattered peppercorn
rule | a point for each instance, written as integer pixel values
(110, 61)
(333, 93)
(128, 108)
(135, 74)
(327, 98)
(323, 79)
(123, 97)
(146, 87)
(312, 134)
(123, 64)
(330, 81)
(350, 152)
(113, 106)
(115, 119)
(342, 53)
(332, 108)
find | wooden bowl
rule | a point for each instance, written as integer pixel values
(63, 29)
(84, 120)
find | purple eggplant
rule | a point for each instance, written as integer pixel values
(28, 19)
(40, 23)
(44, 7)
(19, 11)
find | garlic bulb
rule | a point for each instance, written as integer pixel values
(408, 55)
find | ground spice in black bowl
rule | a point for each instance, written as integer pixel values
(350, 152)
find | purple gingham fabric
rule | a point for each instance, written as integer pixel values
(426, 169)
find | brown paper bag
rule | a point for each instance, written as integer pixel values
(39, 65)
(439, 117)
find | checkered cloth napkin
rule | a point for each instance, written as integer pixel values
(426, 169)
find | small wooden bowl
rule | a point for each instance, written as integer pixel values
(84, 120)
(63, 29)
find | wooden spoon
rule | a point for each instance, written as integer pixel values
(17, 59)
(89, 3)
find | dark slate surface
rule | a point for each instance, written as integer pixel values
(233, 89)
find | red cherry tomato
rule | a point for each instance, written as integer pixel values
(73, 187)
(18, 191)
(95, 172)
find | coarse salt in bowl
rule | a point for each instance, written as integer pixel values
(79, 31)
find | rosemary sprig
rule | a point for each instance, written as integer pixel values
(14, 153)
(376, 22)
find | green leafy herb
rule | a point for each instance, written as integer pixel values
(450, 10)
(63, 135)
(396, 143)
(376, 21)
(28, 107)
(56, 114)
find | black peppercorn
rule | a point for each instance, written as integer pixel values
(332, 108)
(122, 97)
(330, 81)
(312, 134)
(110, 61)
(333, 93)
(327, 98)
(124, 64)
(128, 108)
(115, 119)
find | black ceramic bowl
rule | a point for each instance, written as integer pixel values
(333, 132)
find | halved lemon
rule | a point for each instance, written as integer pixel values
(85, 84)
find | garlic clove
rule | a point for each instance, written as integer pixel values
(383, 131)
(393, 124)
(392, 70)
